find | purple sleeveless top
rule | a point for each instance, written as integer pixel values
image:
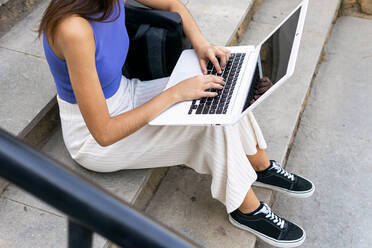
(112, 44)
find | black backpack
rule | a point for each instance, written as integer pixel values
(156, 42)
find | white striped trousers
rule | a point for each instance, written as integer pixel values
(219, 151)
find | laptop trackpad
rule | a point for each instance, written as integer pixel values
(187, 66)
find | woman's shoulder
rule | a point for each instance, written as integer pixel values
(74, 27)
(71, 32)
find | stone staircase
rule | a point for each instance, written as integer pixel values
(178, 196)
(183, 199)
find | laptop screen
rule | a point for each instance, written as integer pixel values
(275, 54)
(276, 50)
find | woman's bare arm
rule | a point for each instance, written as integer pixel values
(74, 42)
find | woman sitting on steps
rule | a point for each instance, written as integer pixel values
(105, 116)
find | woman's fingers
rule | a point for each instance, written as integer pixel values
(213, 59)
(219, 56)
(222, 53)
(211, 82)
(213, 86)
(203, 66)
(208, 94)
(223, 57)
(213, 79)
(226, 51)
(198, 87)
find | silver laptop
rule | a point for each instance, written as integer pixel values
(274, 58)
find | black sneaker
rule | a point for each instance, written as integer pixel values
(277, 178)
(269, 227)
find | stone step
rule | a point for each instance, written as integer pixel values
(26, 85)
(183, 200)
(28, 226)
(28, 91)
(12, 11)
(5, 244)
(184, 203)
(133, 186)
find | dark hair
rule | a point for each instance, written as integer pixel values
(93, 10)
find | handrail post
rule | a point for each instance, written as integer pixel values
(78, 235)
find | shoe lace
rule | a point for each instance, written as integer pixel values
(280, 170)
(273, 217)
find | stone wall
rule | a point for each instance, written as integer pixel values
(366, 6)
(348, 3)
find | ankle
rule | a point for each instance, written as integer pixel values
(249, 208)
(261, 167)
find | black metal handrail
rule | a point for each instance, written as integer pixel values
(89, 207)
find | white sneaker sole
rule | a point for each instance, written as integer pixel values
(267, 239)
(302, 194)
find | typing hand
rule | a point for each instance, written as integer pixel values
(263, 85)
(197, 87)
(211, 53)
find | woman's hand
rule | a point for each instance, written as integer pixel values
(263, 85)
(196, 87)
(208, 52)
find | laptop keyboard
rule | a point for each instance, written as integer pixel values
(220, 103)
